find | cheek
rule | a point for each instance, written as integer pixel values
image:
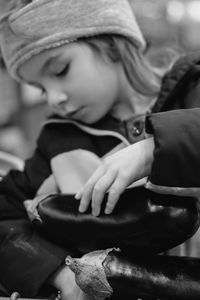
(86, 85)
(104, 83)
(94, 83)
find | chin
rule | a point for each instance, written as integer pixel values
(89, 119)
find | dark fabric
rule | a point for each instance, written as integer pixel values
(177, 143)
(28, 257)
(176, 133)
(180, 85)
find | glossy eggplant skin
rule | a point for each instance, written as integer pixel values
(142, 222)
(153, 277)
(118, 275)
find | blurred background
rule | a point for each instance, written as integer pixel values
(167, 25)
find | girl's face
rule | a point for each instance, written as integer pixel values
(77, 82)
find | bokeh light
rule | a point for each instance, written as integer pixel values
(175, 11)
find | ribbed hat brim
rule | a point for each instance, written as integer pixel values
(45, 24)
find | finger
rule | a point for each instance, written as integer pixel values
(88, 188)
(79, 194)
(116, 190)
(99, 190)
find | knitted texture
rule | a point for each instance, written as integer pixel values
(29, 27)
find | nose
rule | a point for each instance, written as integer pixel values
(57, 99)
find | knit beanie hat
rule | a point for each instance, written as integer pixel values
(28, 27)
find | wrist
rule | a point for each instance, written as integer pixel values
(63, 277)
(149, 157)
(146, 150)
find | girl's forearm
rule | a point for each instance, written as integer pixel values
(149, 146)
(145, 154)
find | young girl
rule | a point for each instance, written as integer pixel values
(87, 58)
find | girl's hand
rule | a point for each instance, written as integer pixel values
(116, 173)
(64, 281)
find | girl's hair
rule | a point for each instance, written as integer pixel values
(142, 76)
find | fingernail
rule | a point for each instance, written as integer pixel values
(95, 213)
(77, 196)
(108, 211)
(81, 209)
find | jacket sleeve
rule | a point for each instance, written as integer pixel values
(176, 166)
(27, 258)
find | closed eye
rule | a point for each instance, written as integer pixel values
(43, 92)
(64, 71)
(38, 87)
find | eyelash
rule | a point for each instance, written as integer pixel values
(64, 71)
(43, 93)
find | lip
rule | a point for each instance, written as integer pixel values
(74, 113)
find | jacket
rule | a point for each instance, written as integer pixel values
(176, 133)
